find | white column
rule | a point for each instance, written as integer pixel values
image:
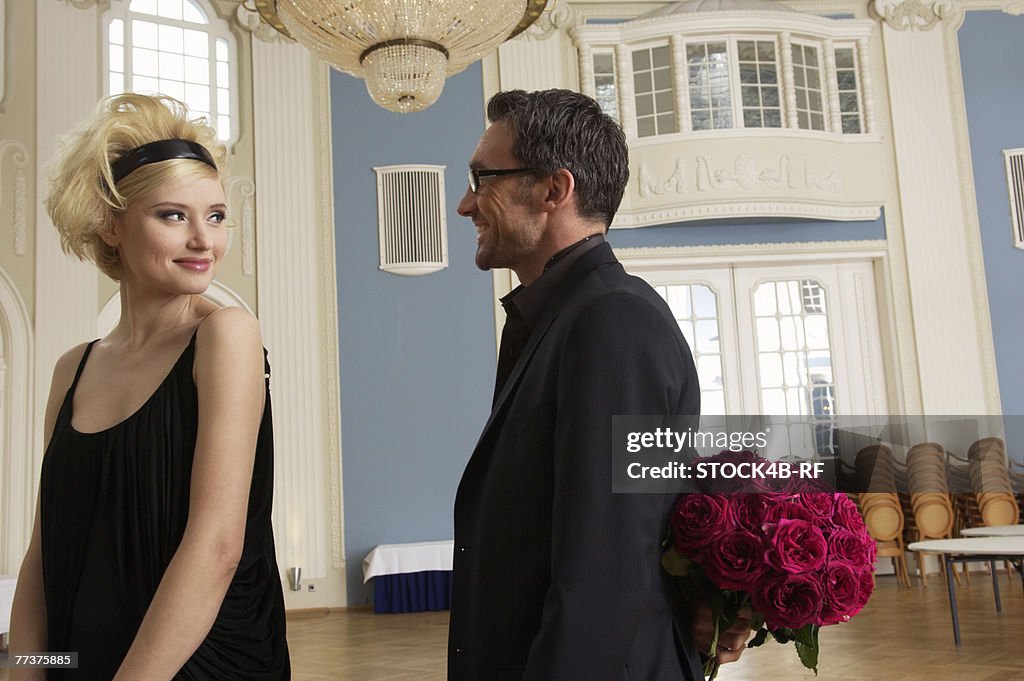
(586, 57)
(832, 87)
(681, 80)
(66, 292)
(297, 308)
(624, 87)
(788, 83)
(867, 85)
(952, 355)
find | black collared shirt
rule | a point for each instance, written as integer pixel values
(525, 304)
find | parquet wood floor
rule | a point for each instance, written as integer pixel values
(902, 635)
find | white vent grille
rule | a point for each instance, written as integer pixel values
(1015, 184)
(412, 219)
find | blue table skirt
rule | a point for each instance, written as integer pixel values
(413, 591)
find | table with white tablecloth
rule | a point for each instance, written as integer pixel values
(410, 577)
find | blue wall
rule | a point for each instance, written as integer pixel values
(746, 232)
(416, 353)
(992, 55)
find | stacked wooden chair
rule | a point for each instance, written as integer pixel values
(990, 481)
(930, 501)
(875, 470)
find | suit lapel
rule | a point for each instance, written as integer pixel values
(600, 255)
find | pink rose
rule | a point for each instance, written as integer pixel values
(748, 512)
(698, 520)
(783, 508)
(736, 561)
(819, 504)
(846, 514)
(849, 547)
(841, 587)
(791, 601)
(867, 586)
(795, 546)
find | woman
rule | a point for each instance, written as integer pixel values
(152, 554)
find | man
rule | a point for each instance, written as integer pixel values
(556, 578)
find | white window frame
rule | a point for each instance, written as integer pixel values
(853, 47)
(650, 46)
(217, 28)
(683, 79)
(737, 91)
(823, 76)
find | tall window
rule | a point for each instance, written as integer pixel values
(695, 307)
(849, 90)
(604, 83)
(172, 47)
(708, 76)
(759, 84)
(810, 101)
(654, 93)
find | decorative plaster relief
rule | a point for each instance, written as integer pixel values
(1016, 9)
(81, 4)
(248, 17)
(914, 15)
(560, 17)
(20, 156)
(675, 183)
(245, 190)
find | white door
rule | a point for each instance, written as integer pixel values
(797, 341)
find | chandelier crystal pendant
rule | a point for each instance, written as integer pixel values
(404, 49)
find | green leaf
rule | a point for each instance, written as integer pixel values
(757, 621)
(782, 635)
(808, 656)
(807, 646)
(676, 564)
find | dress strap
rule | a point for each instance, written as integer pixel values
(81, 365)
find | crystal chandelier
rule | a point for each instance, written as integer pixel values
(404, 49)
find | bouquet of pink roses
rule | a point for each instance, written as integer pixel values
(799, 556)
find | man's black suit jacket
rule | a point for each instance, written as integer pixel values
(556, 578)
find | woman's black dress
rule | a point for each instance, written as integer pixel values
(113, 508)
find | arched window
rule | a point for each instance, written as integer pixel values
(178, 48)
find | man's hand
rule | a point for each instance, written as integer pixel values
(731, 642)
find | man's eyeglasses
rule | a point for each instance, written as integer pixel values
(476, 175)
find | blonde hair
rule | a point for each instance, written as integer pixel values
(82, 197)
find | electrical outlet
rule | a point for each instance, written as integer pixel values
(311, 587)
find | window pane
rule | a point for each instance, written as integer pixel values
(751, 97)
(172, 66)
(143, 6)
(197, 43)
(176, 89)
(641, 60)
(198, 97)
(116, 83)
(198, 71)
(145, 62)
(844, 58)
(847, 80)
(117, 58)
(145, 84)
(645, 127)
(603, 63)
(667, 124)
(748, 73)
(746, 50)
(223, 128)
(663, 79)
(644, 105)
(223, 101)
(171, 39)
(772, 118)
(851, 125)
(768, 75)
(192, 12)
(848, 102)
(752, 118)
(707, 336)
(704, 304)
(770, 96)
(700, 120)
(222, 49)
(765, 50)
(660, 57)
(144, 33)
(665, 102)
(699, 99)
(642, 82)
(117, 32)
(169, 9)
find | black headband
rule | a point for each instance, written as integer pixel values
(161, 150)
